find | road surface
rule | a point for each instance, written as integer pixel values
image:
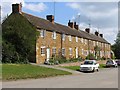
(105, 78)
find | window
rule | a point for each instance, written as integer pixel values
(97, 43)
(82, 40)
(42, 33)
(54, 50)
(100, 53)
(94, 43)
(82, 51)
(70, 38)
(108, 53)
(63, 51)
(70, 51)
(76, 39)
(43, 51)
(63, 37)
(85, 41)
(85, 52)
(54, 35)
(102, 45)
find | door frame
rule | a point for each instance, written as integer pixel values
(47, 54)
(76, 52)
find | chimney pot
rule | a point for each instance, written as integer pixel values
(96, 33)
(71, 24)
(76, 26)
(50, 18)
(87, 30)
(74, 23)
(17, 8)
(101, 35)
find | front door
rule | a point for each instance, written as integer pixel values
(76, 52)
(48, 54)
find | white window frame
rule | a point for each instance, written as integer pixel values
(63, 37)
(63, 51)
(97, 43)
(81, 40)
(76, 39)
(70, 38)
(43, 52)
(86, 41)
(42, 33)
(82, 51)
(70, 51)
(54, 35)
(54, 50)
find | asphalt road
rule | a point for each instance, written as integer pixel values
(105, 78)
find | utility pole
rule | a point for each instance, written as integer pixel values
(89, 23)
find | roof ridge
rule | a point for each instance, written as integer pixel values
(45, 24)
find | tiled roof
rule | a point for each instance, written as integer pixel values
(47, 25)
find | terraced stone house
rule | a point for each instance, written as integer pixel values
(69, 41)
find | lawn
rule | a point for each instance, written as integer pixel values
(77, 68)
(26, 71)
(102, 66)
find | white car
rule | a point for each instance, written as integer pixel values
(89, 65)
(111, 63)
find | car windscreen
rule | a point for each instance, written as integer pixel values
(109, 62)
(88, 62)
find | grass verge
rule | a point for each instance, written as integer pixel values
(25, 71)
(76, 68)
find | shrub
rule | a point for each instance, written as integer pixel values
(19, 40)
(90, 56)
(103, 58)
(75, 59)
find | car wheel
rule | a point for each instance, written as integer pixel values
(93, 70)
(97, 70)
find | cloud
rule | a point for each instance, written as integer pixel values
(74, 5)
(102, 15)
(39, 7)
(7, 7)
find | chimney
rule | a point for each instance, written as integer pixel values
(87, 30)
(71, 24)
(50, 18)
(76, 26)
(101, 35)
(17, 8)
(96, 33)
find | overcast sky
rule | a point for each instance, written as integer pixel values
(102, 16)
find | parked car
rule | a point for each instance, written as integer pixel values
(118, 62)
(111, 63)
(89, 65)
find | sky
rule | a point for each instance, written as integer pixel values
(99, 16)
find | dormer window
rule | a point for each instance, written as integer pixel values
(54, 35)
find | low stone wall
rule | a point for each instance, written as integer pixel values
(79, 63)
